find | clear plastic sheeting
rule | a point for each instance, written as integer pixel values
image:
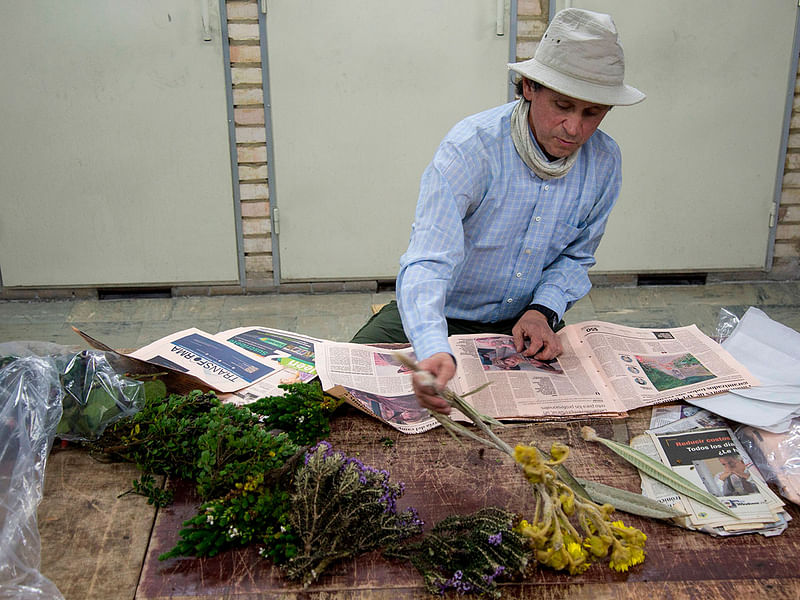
(30, 409)
(726, 323)
(777, 456)
(95, 396)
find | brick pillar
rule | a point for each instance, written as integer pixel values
(251, 140)
(786, 260)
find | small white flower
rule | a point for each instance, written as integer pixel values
(283, 529)
(210, 519)
(301, 418)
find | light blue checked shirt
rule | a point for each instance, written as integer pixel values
(490, 237)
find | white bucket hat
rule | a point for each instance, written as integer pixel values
(580, 56)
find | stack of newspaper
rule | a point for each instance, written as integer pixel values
(713, 459)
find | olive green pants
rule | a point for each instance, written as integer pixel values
(385, 326)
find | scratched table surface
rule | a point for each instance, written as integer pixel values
(444, 477)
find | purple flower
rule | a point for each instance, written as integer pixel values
(496, 539)
(497, 572)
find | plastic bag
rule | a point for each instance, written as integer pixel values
(726, 323)
(777, 456)
(95, 396)
(30, 409)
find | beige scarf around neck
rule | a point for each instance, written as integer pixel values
(528, 150)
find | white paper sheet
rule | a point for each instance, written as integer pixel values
(771, 352)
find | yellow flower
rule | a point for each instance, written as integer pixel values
(567, 503)
(630, 534)
(532, 465)
(624, 557)
(597, 545)
(527, 455)
(578, 556)
(558, 453)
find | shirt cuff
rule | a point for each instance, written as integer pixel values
(550, 315)
(551, 297)
(425, 348)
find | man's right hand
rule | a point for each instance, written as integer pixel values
(443, 367)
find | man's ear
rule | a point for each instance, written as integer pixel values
(527, 89)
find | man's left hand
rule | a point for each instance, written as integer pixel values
(543, 343)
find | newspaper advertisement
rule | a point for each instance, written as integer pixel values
(247, 362)
(604, 370)
(713, 460)
(291, 355)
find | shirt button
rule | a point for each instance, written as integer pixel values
(527, 250)
(546, 187)
(510, 300)
(519, 275)
(537, 219)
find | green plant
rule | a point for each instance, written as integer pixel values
(252, 512)
(340, 508)
(146, 486)
(468, 554)
(304, 412)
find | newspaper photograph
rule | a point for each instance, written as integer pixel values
(373, 380)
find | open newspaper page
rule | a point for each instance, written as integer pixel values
(651, 366)
(289, 354)
(374, 381)
(713, 460)
(526, 388)
(216, 362)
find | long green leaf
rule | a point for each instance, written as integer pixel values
(658, 471)
(628, 502)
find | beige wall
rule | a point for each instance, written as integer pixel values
(532, 21)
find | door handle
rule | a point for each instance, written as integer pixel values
(206, 19)
(500, 16)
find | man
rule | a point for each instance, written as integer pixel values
(513, 206)
(734, 479)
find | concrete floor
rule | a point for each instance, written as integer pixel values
(132, 323)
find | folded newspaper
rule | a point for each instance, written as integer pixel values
(712, 458)
(247, 363)
(604, 370)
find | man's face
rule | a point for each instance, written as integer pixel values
(510, 361)
(732, 464)
(561, 124)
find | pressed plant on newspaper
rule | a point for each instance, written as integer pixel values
(567, 530)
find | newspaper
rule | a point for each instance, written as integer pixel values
(290, 354)
(604, 370)
(250, 362)
(714, 460)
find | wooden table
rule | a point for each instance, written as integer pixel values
(442, 477)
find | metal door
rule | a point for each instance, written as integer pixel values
(702, 154)
(361, 92)
(115, 163)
